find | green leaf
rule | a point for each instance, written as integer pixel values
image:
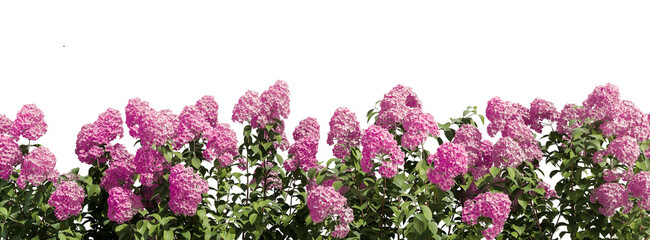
(494, 171)
(523, 203)
(519, 229)
(169, 235)
(337, 185)
(427, 212)
(196, 163)
(511, 172)
(252, 218)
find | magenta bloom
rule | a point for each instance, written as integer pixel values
(378, 143)
(449, 161)
(495, 206)
(10, 156)
(639, 187)
(122, 204)
(5, 124)
(67, 199)
(345, 130)
(508, 153)
(150, 164)
(418, 126)
(396, 105)
(92, 137)
(221, 144)
(304, 150)
(324, 202)
(209, 108)
(627, 120)
(118, 174)
(625, 149)
(611, 196)
(151, 126)
(38, 167)
(541, 109)
(261, 110)
(30, 123)
(479, 152)
(185, 189)
(602, 102)
(500, 112)
(193, 120)
(568, 113)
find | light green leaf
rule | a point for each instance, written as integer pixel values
(427, 212)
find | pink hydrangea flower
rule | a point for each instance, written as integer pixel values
(10, 156)
(449, 161)
(30, 123)
(568, 113)
(193, 119)
(377, 143)
(209, 108)
(67, 200)
(500, 112)
(418, 126)
(479, 152)
(135, 111)
(118, 174)
(602, 101)
(495, 206)
(345, 130)
(395, 105)
(639, 187)
(5, 124)
(274, 103)
(507, 152)
(122, 204)
(304, 150)
(541, 109)
(92, 137)
(150, 164)
(221, 144)
(625, 149)
(151, 126)
(627, 120)
(185, 189)
(611, 196)
(38, 167)
(324, 202)
(247, 107)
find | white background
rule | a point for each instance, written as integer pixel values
(75, 59)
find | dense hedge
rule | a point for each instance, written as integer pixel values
(190, 177)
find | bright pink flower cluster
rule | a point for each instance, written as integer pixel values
(185, 189)
(150, 165)
(378, 142)
(325, 201)
(345, 130)
(121, 169)
(418, 126)
(395, 105)
(568, 113)
(221, 144)
(5, 124)
(639, 187)
(10, 156)
(611, 196)
(149, 125)
(625, 149)
(30, 123)
(601, 102)
(507, 153)
(540, 110)
(479, 152)
(261, 110)
(303, 151)
(501, 112)
(67, 199)
(449, 161)
(122, 204)
(495, 206)
(550, 192)
(38, 167)
(627, 120)
(94, 138)
(209, 108)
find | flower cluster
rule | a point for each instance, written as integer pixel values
(259, 110)
(122, 204)
(639, 187)
(10, 156)
(495, 206)
(395, 105)
(121, 169)
(540, 110)
(418, 126)
(93, 138)
(601, 102)
(501, 112)
(449, 161)
(325, 201)
(345, 130)
(625, 149)
(38, 167)
(149, 164)
(479, 152)
(506, 152)
(67, 199)
(378, 142)
(611, 196)
(303, 151)
(550, 192)
(185, 189)
(29, 123)
(221, 144)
